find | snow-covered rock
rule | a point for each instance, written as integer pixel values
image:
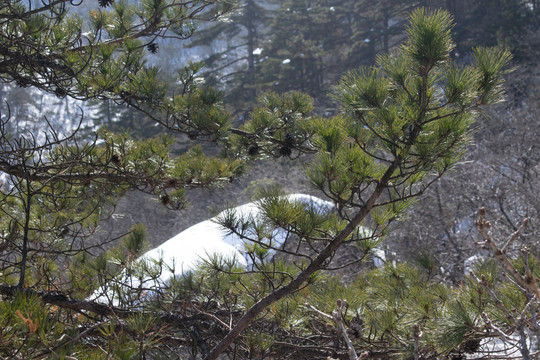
(203, 241)
(4, 182)
(379, 257)
(470, 262)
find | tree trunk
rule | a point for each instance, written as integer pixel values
(251, 33)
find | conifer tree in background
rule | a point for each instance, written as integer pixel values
(403, 124)
(307, 46)
(342, 35)
(296, 50)
(233, 68)
(311, 45)
(385, 21)
(491, 23)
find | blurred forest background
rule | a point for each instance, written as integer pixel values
(307, 45)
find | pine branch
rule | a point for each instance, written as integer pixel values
(528, 281)
(301, 278)
(336, 318)
(65, 301)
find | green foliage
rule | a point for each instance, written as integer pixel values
(61, 187)
(55, 207)
(429, 38)
(491, 64)
(277, 128)
(403, 123)
(27, 326)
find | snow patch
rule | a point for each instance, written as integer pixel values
(470, 262)
(4, 182)
(379, 257)
(203, 241)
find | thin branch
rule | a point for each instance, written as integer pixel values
(337, 319)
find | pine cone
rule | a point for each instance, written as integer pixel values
(60, 92)
(356, 329)
(115, 159)
(152, 47)
(105, 3)
(253, 150)
(289, 139)
(471, 346)
(285, 151)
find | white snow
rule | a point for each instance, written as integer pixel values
(286, 61)
(257, 51)
(505, 347)
(4, 182)
(379, 257)
(183, 252)
(470, 262)
(208, 238)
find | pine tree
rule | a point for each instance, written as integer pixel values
(61, 185)
(234, 67)
(494, 23)
(309, 44)
(294, 57)
(403, 124)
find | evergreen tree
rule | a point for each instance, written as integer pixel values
(294, 57)
(60, 185)
(233, 68)
(403, 124)
(494, 23)
(309, 44)
(385, 21)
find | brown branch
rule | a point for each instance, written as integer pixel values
(528, 282)
(65, 301)
(337, 319)
(304, 276)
